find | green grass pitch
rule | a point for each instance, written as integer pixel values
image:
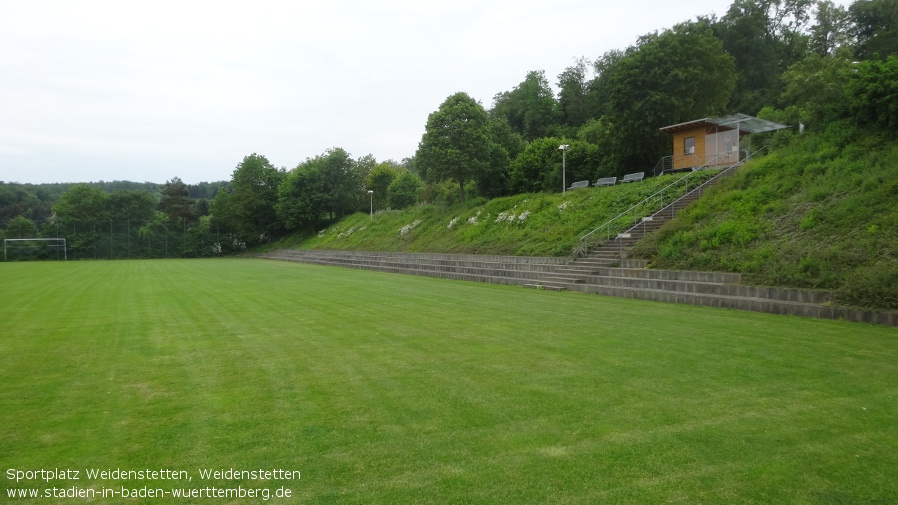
(392, 389)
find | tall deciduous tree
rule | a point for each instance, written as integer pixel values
(875, 27)
(667, 78)
(379, 180)
(134, 205)
(78, 213)
(873, 93)
(21, 227)
(324, 187)
(573, 95)
(830, 32)
(403, 191)
(302, 197)
(456, 143)
(530, 108)
(815, 89)
(343, 183)
(765, 37)
(252, 203)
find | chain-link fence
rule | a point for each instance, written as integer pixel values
(122, 239)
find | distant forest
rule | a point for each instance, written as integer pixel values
(798, 62)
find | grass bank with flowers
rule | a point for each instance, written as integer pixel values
(521, 225)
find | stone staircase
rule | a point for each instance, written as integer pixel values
(614, 251)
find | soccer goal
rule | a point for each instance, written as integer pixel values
(35, 244)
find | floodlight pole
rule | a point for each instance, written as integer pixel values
(563, 148)
(371, 194)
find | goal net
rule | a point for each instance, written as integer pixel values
(36, 247)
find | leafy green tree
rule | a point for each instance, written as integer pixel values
(18, 200)
(222, 211)
(539, 167)
(830, 32)
(134, 205)
(82, 213)
(456, 143)
(252, 203)
(815, 87)
(343, 185)
(764, 37)
(302, 197)
(379, 180)
(530, 108)
(408, 164)
(362, 169)
(875, 28)
(573, 96)
(325, 187)
(598, 89)
(678, 75)
(403, 191)
(21, 227)
(873, 93)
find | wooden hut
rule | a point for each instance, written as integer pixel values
(712, 142)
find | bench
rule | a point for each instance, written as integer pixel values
(606, 181)
(579, 184)
(638, 176)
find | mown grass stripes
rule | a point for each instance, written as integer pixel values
(393, 389)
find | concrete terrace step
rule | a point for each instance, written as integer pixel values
(617, 277)
(769, 306)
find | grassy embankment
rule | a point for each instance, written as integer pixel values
(523, 225)
(397, 389)
(820, 212)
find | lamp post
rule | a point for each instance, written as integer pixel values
(563, 148)
(371, 194)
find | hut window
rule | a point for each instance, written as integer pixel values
(689, 145)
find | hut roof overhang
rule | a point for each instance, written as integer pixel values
(742, 122)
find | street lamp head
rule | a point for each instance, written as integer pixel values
(370, 191)
(564, 147)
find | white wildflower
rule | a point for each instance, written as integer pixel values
(501, 217)
(452, 223)
(409, 227)
(564, 205)
(473, 219)
(322, 232)
(524, 215)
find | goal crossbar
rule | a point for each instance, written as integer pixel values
(6, 242)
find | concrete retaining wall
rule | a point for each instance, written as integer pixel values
(710, 289)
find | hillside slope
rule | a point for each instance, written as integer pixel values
(522, 225)
(820, 212)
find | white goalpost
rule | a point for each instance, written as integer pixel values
(57, 243)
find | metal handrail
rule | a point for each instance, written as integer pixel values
(660, 192)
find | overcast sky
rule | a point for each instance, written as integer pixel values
(145, 91)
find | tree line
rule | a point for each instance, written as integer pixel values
(801, 62)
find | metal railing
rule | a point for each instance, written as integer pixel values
(671, 191)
